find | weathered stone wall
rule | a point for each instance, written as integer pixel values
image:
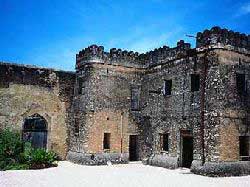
(172, 113)
(97, 100)
(158, 113)
(103, 107)
(26, 90)
(234, 106)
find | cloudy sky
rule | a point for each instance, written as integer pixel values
(50, 32)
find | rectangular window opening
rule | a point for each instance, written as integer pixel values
(79, 86)
(195, 82)
(244, 148)
(106, 141)
(76, 126)
(167, 87)
(164, 142)
(241, 83)
(135, 99)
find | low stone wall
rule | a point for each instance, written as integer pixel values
(221, 169)
(98, 158)
(162, 160)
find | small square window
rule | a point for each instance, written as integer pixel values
(167, 87)
(106, 141)
(195, 82)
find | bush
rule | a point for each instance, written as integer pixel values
(15, 155)
(11, 148)
(17, 166)
(39, 158)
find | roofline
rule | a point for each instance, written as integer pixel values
(34, 67)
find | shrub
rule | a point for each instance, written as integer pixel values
(17, 166)
(11, 147)
(15, 155)
(38, 158)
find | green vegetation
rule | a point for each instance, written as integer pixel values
(15, 154)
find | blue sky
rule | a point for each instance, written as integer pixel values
(49, 33)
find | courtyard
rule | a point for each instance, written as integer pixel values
(133, 174)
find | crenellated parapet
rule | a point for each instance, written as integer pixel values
(223, 38)
(92, 53)
(215, 38)
(165, 54)
(96, 54)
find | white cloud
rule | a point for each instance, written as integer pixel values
(244, 9)
(148, 43)
(146, 38)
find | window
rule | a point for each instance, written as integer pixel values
(135, 97)
(244, 148)
(195, 82)
(76, 126)
(106, 141)
(164, 142)
(80, 86)
(167, 87)
(241, 83)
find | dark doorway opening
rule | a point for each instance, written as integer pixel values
(35, 131)
(244, 142)
(133, 148)
(106, 141)
(187, 150)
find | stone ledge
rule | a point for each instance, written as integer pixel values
(98, 158)
(221, 169)
(162, 160)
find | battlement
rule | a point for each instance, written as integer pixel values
(164, 54)
(215, 37)
(96, 54)
(223, 38)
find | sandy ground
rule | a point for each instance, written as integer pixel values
(135, 174)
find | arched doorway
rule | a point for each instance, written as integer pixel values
(35, 131)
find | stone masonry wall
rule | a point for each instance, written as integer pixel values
(104, 107)
(26, 90)
(172, 113)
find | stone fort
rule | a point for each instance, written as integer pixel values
(170, 107)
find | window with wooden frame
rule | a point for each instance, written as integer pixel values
(106, 141)
(164, 137)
